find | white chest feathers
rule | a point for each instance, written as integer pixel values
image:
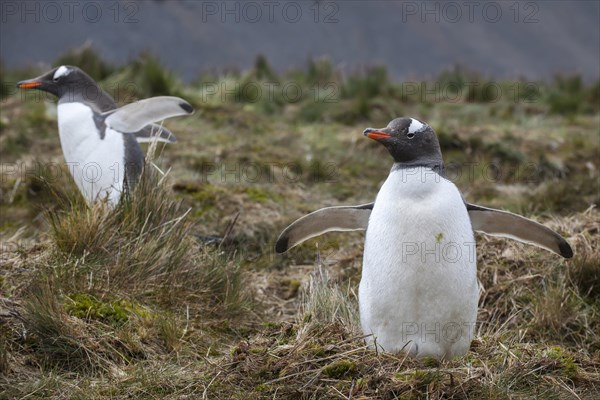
(97, 165)
(419, 291)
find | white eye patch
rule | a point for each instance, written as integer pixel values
(415, 126)
(61, 71)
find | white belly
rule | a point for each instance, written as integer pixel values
(419, 291)
(97, 166)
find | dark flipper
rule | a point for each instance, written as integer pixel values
(505, 224)
(345, 218)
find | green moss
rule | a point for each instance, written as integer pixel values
(430, 362)
(205, 197)
(295, 284)
(257, 350)
(316, 350)
(259, 195)
(261, 388)
(424, 378)
(418, 378)
(568, 366)
(270, 325)
(340, 369)
(85, 306)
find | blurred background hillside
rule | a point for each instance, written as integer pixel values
(413, 39)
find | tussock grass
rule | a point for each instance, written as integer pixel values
(584, 272)
(58, 340)
(110, 290)
(325, 302)
(143, 248)
(531, 298)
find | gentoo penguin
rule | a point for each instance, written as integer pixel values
(99, 141)
(418, 291)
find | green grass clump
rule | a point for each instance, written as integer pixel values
(567, 95)
(86, 306)
(144, 77)
(255, 89)
(467, 85)
(565, 362)
(340, 369)
(365, 86)
(260, 195)
(321, 72)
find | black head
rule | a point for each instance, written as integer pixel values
(62, 81)
(410, 142)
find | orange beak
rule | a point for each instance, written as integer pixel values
(29, 84)
(378, 135)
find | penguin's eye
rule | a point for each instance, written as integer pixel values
(410, 135)
(56, 78)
